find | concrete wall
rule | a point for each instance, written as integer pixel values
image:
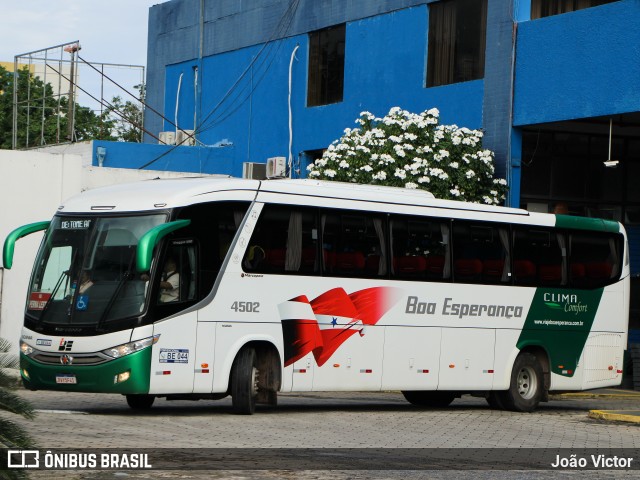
(579, 64)
(34, 185)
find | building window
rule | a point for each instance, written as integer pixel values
(326, 66)
(457, 35)
(546, 8)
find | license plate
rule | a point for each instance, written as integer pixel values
(66, 379)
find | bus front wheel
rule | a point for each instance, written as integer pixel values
(140, 402)
(527, 384)
(429, 398)
(244, 382)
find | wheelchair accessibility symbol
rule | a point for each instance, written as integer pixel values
(82, 302)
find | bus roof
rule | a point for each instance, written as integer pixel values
(160, 194)
(168, 193)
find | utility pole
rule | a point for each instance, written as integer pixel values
(72, 49)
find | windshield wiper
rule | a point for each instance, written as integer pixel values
(53, 294)
(127, 275)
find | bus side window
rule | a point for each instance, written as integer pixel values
(178, 278)
(595, 259)
(353, 244)
(481, 253)
(540, 257)
(420, 248)
(284, 241)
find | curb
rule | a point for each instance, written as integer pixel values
(627, 394)
(612, 416)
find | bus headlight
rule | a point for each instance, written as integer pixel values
(131, 347)
(25, 349)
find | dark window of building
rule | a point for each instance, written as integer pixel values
(457, 35)
(326, 66)
(546, 8)
(481, 253)
(420, 248)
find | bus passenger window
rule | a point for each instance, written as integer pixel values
(481, 253)
(595, 259)
(421, 249)
(539, 257)
(284, 241)
(353, 244)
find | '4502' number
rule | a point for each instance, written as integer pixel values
(246, 307)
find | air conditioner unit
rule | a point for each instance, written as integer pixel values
(185, 138)
(276, 167)
(167, 138)
(256, 171)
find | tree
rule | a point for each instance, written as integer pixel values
(411, 150)
(11, 434)
(43, 120)
(126, 117)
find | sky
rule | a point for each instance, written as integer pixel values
(110, 31)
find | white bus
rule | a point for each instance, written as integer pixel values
(202, 288)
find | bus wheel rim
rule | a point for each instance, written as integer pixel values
(527, 383)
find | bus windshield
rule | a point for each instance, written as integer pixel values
(85, 271)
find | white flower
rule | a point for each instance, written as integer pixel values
(434, 112)
(330, 173)
(395, 138)
(401, 174)
(343, 164)
(410, 136)
(381, 175)
(410, 185)
(424, 180)
(470, 174)
(399, 151)
(454, 165)
(455, 192)
(366, 168)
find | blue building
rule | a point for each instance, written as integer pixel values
(555, 84)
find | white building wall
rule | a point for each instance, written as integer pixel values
(32, 186)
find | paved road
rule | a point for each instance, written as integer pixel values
(332, 421)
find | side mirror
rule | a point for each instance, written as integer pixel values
(149, 240)
(17, 234)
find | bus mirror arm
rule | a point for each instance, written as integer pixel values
(150, 239)
(17, 234)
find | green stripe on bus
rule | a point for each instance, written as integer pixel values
(559, 320)
(585, 223)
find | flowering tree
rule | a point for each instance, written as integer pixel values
(411, 150)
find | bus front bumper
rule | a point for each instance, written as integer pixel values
(128, 374)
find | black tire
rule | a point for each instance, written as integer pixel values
(527, 384)
(431, 399)
(244, 382)
(140, 401)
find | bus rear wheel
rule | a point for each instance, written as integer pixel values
(140, 401)
(244, 382)
(527, 384)
(429, 398)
